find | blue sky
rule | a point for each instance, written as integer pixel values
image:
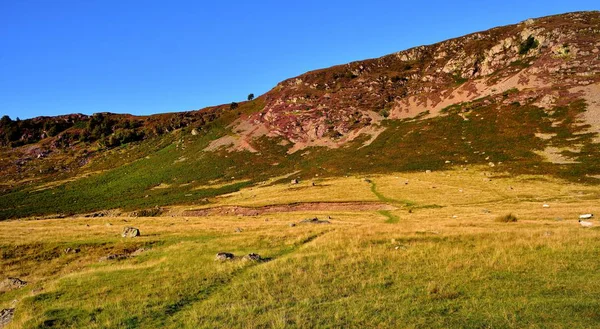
(145, 57)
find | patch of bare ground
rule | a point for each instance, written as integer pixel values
(591, 94)
(295, 207)
(554, 155)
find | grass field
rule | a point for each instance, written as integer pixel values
(436, 259)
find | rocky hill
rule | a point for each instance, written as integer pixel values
(519, 99)
(545, 62)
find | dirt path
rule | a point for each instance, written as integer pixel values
(308, 206)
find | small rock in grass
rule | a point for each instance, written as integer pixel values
(224, 256)
(72, 250)
(6, 316)
(130, 232)
(11, 284)
(292, 224)
(113, 257)
(252, 257)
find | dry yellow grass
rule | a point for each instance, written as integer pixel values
(447, 266)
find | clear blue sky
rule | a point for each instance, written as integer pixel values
(144, 57)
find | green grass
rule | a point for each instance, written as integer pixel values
(391, 218)
(385, 199)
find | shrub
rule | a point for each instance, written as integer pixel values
(510, 218)
(528, 44)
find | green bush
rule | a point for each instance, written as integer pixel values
(528, 44)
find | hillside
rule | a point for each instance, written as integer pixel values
(447, 186)
(520, 99)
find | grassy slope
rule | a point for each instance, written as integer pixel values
(492, 133)
(449, 266)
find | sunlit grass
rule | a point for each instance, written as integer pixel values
(416, 266)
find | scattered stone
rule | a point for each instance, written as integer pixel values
(6, 316)
(545, 206)
(222, 256)
(428, 171)
(72, 250)
(94, 215)
(315, 220)
(294, 181)
(491, 164)
(586, 216)
(447, 161)
(368, 180)
(138, 252)
(292, 224)
(252, 257)
(113, 257)
(130, 232)
(194, 132)
(11, 284)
